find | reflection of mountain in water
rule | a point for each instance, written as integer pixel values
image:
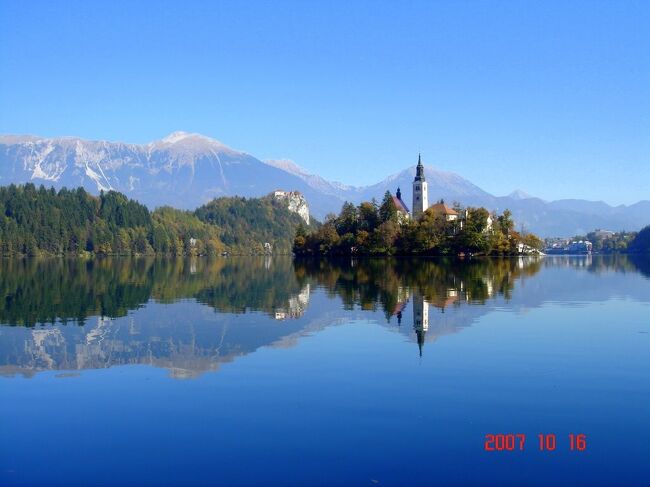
(185, 338)
(190, 316)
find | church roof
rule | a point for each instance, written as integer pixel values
(400, 205)
(443, 209)
(399, 307)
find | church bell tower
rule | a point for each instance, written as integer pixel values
(420, 193)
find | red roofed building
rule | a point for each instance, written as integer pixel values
(442, 209)
(402, 210)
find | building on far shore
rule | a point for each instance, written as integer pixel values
(604, 234)
(421, 203)
(442, 209)
(403, 212)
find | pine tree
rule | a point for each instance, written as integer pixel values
(387, 210)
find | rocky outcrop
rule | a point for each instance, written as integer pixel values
(296, 202)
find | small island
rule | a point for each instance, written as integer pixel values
(390, 228)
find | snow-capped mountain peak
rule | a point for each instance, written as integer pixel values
(182, 169)
(190, 143)
(176, 137)
(187, 169)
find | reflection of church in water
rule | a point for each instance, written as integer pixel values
(422, 326)
(420, 313)
(420, 318)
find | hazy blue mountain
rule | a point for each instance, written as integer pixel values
(556, 218)
(445, 185)
(186, 170)
(338, 190)
(518, 194)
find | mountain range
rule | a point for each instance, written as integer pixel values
(185, 170)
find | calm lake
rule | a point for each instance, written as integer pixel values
(266, 371)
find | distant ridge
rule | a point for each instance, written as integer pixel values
(186, 170)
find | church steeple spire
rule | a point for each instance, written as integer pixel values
(419, 170)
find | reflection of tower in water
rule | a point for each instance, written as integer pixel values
(420, 318)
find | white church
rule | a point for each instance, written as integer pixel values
(421, 199)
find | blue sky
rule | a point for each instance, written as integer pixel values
(549, 97)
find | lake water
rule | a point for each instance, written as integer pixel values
(265, 371)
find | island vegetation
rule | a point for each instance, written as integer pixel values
(379, 229)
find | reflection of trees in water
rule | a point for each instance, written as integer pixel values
(424, 294)
(602, 263)
(250, 285)
(436, 283)
(180, 338)
(44, 291)
(385, 283)
(642, 263)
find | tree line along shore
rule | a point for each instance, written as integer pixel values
(40, 221)
(381, 229)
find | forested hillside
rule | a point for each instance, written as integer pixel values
(40, 221)
(641, 243)
(247, 223)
